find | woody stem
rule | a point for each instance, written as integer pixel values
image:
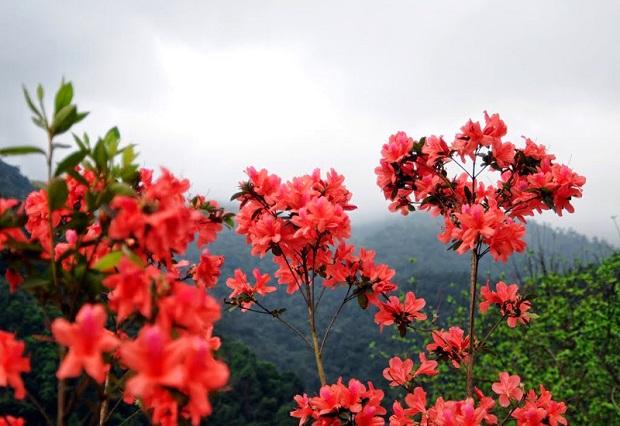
(316, 347)
(60, 403)
(473, 278)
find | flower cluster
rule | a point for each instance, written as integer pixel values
(103, 244)
(470, 411)
(414, 174)
(243, 292)
(534, 410)
(304, 224)
(540, 409)
(402, 372)
(11, 421)
(340, 404)
(450, 345)
(511, 305)
(401, 313)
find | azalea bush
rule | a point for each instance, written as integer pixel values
(100, 249)
(451, 180)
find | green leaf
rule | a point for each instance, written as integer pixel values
(100, 155)
(69, 162)
(362, 300)
(63, 119)
(31, 105)
(21, 150)
(118, 188)
(75, 175)
(128, 155)
(229, 220)
(79, 142)
(39, 122)
(108, 261)
(40, 93)
(132, 256)
(112, 135)
(63, 97)
(57, 193)
(236, 195)
(31, 283)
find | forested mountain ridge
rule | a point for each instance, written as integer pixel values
(12, 183)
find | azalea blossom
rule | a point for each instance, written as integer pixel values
(511, 305)
(362, 404)
(400, 313)
(13, 363)
(400, 372)
(87, 340)
(508, 388)
(451, 345)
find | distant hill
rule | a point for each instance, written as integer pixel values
(12, 183)
(438, 273)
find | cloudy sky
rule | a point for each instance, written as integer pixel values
(209, 87)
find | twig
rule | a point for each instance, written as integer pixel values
(39, 408)
(333, 320)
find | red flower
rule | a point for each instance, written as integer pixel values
(13, 278)
(8, 234)
(361, 404)
(436, 149)
(475, 223)
(190, 308)
(87, 340)
(508, 388)
(540, 408)
(11, 421)
(156, 359)
(131, 289)
(13, 363)
(397, 147)
(319, 216)
(244, 291)
(399, 372)
(450, 345)
(204, 374)
(208, 269)
(401, 313)
(37, 209)
(510, 303)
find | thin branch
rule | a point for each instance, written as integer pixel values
(286, 323)
(491, 330)
(333, 320)
(128, 418)
(39, 408)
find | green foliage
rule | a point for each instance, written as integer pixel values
(571, 347)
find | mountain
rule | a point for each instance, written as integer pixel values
(437, 274)
(12, 183)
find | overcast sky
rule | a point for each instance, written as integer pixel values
(207, 88)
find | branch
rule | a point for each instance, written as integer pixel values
(276, 315)
(333, 320)
(39, 408)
